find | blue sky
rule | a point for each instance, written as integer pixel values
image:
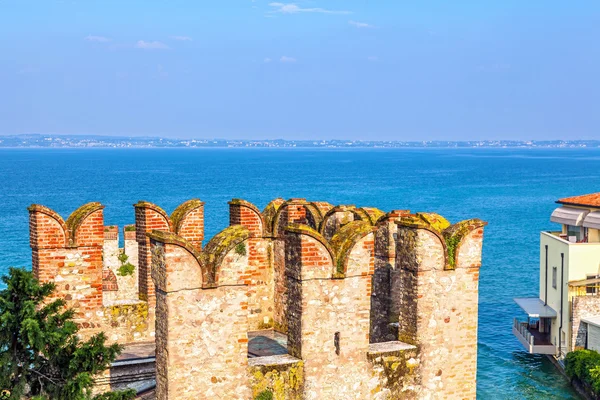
(389, 70)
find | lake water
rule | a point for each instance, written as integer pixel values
(513, 189)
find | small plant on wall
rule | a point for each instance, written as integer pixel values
(264, 395)
(126, 267)
(240, 249)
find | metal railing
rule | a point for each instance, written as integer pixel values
(523, 329)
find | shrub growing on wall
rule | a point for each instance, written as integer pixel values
(126, 267)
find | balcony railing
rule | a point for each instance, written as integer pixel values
(533, 340)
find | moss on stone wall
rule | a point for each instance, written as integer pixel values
(373, 214)
(266, 325)
(78, 216)
(284, 382)
(316, 214)
(397, 372)
(307, 230)
(182, 210)
(435, 221)
(450, 235)
(345, 239)
(454, 235)
(218, 247)
(131, 318)
(269, 214)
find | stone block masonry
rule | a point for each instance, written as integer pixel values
(371, 305)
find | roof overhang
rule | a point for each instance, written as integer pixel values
(535, 308)
(569, 216)
(595, 320)
(592, 220)
(584, 282)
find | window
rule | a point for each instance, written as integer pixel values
(554, 270)
(575, 233)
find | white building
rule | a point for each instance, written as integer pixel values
(566, 314)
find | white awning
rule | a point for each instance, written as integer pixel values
(592, 220)
(595, 320)
(569, 216)
(535, 307)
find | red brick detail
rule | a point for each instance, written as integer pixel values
(147, 219)
(258, 268)
(313, 255)
(191, 227)
(129, 234)
(240, 214)
(111, 232)
(369, 245)
(81, 272)
(296, 214)
(91, 230)
(109, 281)
(47, 230)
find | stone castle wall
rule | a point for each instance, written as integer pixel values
(82, 257)
(436, 284)
(373, 304)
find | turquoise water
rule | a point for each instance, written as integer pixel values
(514, 190)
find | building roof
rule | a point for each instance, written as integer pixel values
(595, 320)
(535, 307)
(569, 216)
(591, 200)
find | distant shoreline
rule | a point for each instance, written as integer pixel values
(106, 142)
(295, 148)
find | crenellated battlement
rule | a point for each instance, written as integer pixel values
(367, 302)
(451, 237)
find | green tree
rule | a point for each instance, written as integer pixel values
(41, 356)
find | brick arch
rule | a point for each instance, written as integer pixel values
(270, 213)
(188, 221)
(344, 243)
(282, 217)
(311, 255)
(88, 215)
(456, 235)
(451, 237)
(417, 222)
(322, 207)
(158, 211)
(327, 230)
(242, 212)
(217, 249)
(54, 237)
(316, 212)
(178, 216)
(190, 267)
(371, 214)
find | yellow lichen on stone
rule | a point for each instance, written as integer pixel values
(284, 382)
